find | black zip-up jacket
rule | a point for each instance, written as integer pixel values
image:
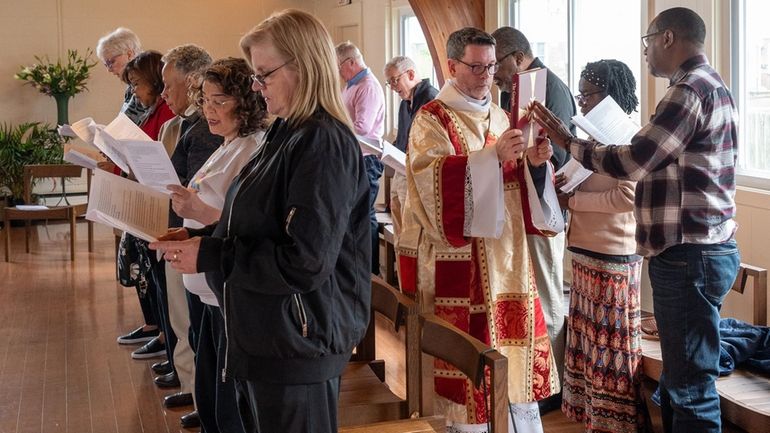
(289, 259)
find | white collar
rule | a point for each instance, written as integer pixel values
(457, 100)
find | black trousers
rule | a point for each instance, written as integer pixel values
(269, 408)
(214, 399)
(161, 298)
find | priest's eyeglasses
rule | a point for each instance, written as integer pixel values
(480, 69)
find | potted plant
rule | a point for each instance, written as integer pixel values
(25, 144)
(60, 80)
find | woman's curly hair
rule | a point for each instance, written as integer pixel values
(234, 76)
(615, 78)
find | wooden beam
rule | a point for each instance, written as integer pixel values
(438, 19)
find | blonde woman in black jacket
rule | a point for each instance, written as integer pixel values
(289, 259)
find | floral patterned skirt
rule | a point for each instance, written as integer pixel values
(603, 356)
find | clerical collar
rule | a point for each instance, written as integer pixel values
(458, 100)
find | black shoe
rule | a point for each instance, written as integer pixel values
(178, 400)
(167, 380)
(549, 404)
(138, 335)
(150, 350)
(191, 420)
(161, 368)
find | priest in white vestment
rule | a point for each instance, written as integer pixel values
(463, 249)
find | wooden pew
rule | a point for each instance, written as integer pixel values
(438, 338)
(365, 397)
(744, 395)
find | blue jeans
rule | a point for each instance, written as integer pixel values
(374, 169)
(689, 282)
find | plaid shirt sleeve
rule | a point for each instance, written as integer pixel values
(657, 145)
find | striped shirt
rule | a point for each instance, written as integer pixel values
(684, 162)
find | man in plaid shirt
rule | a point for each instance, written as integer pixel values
(684, 162)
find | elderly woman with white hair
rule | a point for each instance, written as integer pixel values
(115, 50)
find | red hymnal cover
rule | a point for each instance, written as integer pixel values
(528, 86)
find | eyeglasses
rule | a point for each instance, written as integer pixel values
(394, 80)
(260, 78)
(582, 97)
(213, 103)
(111, 61)
(645, 41)
(479, 69)
(339, 65)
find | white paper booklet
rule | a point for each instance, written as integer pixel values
(370, 146)
(127, 205)
(83, 154)
(150, 164)
(606, 123)
(575, 174)
(394, 158)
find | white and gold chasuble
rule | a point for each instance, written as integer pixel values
(481, 283)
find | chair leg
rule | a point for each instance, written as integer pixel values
(7, 230)
(27, 234)
(90, 236)
(73, 235)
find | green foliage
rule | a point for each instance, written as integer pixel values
(56, 78)
(26, 144)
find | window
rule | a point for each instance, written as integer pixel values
(751, 89)
(579, 32)
(414, 46)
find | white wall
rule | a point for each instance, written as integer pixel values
(50, 27)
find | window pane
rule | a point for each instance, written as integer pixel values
(754, 90)
(416, 48)
(549, 41)
(621, 20)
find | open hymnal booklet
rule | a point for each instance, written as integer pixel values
(393, 157)
(128, 206)
(606, 123)
(370, 146)
(82, 152)
(126, 145)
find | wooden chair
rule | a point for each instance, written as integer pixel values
(365, 397)
(744, 395)
(67, 212)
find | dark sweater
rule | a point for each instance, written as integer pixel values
(423, 93)
(195, 146)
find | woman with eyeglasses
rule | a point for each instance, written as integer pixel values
(115, 50)
(603, 355)
(236, 113)
(143, 74)
(289, 259)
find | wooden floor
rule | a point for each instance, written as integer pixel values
(60, 367)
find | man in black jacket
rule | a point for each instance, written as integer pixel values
(401, 77)
(514, 54)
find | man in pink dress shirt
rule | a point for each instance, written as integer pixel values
(365, 101)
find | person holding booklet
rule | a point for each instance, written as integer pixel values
(289, 259)
(603, 354)
(684, 162)
(236, 113)
(401, 76)
(143, 74)
(115, 50)
(463, 250)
